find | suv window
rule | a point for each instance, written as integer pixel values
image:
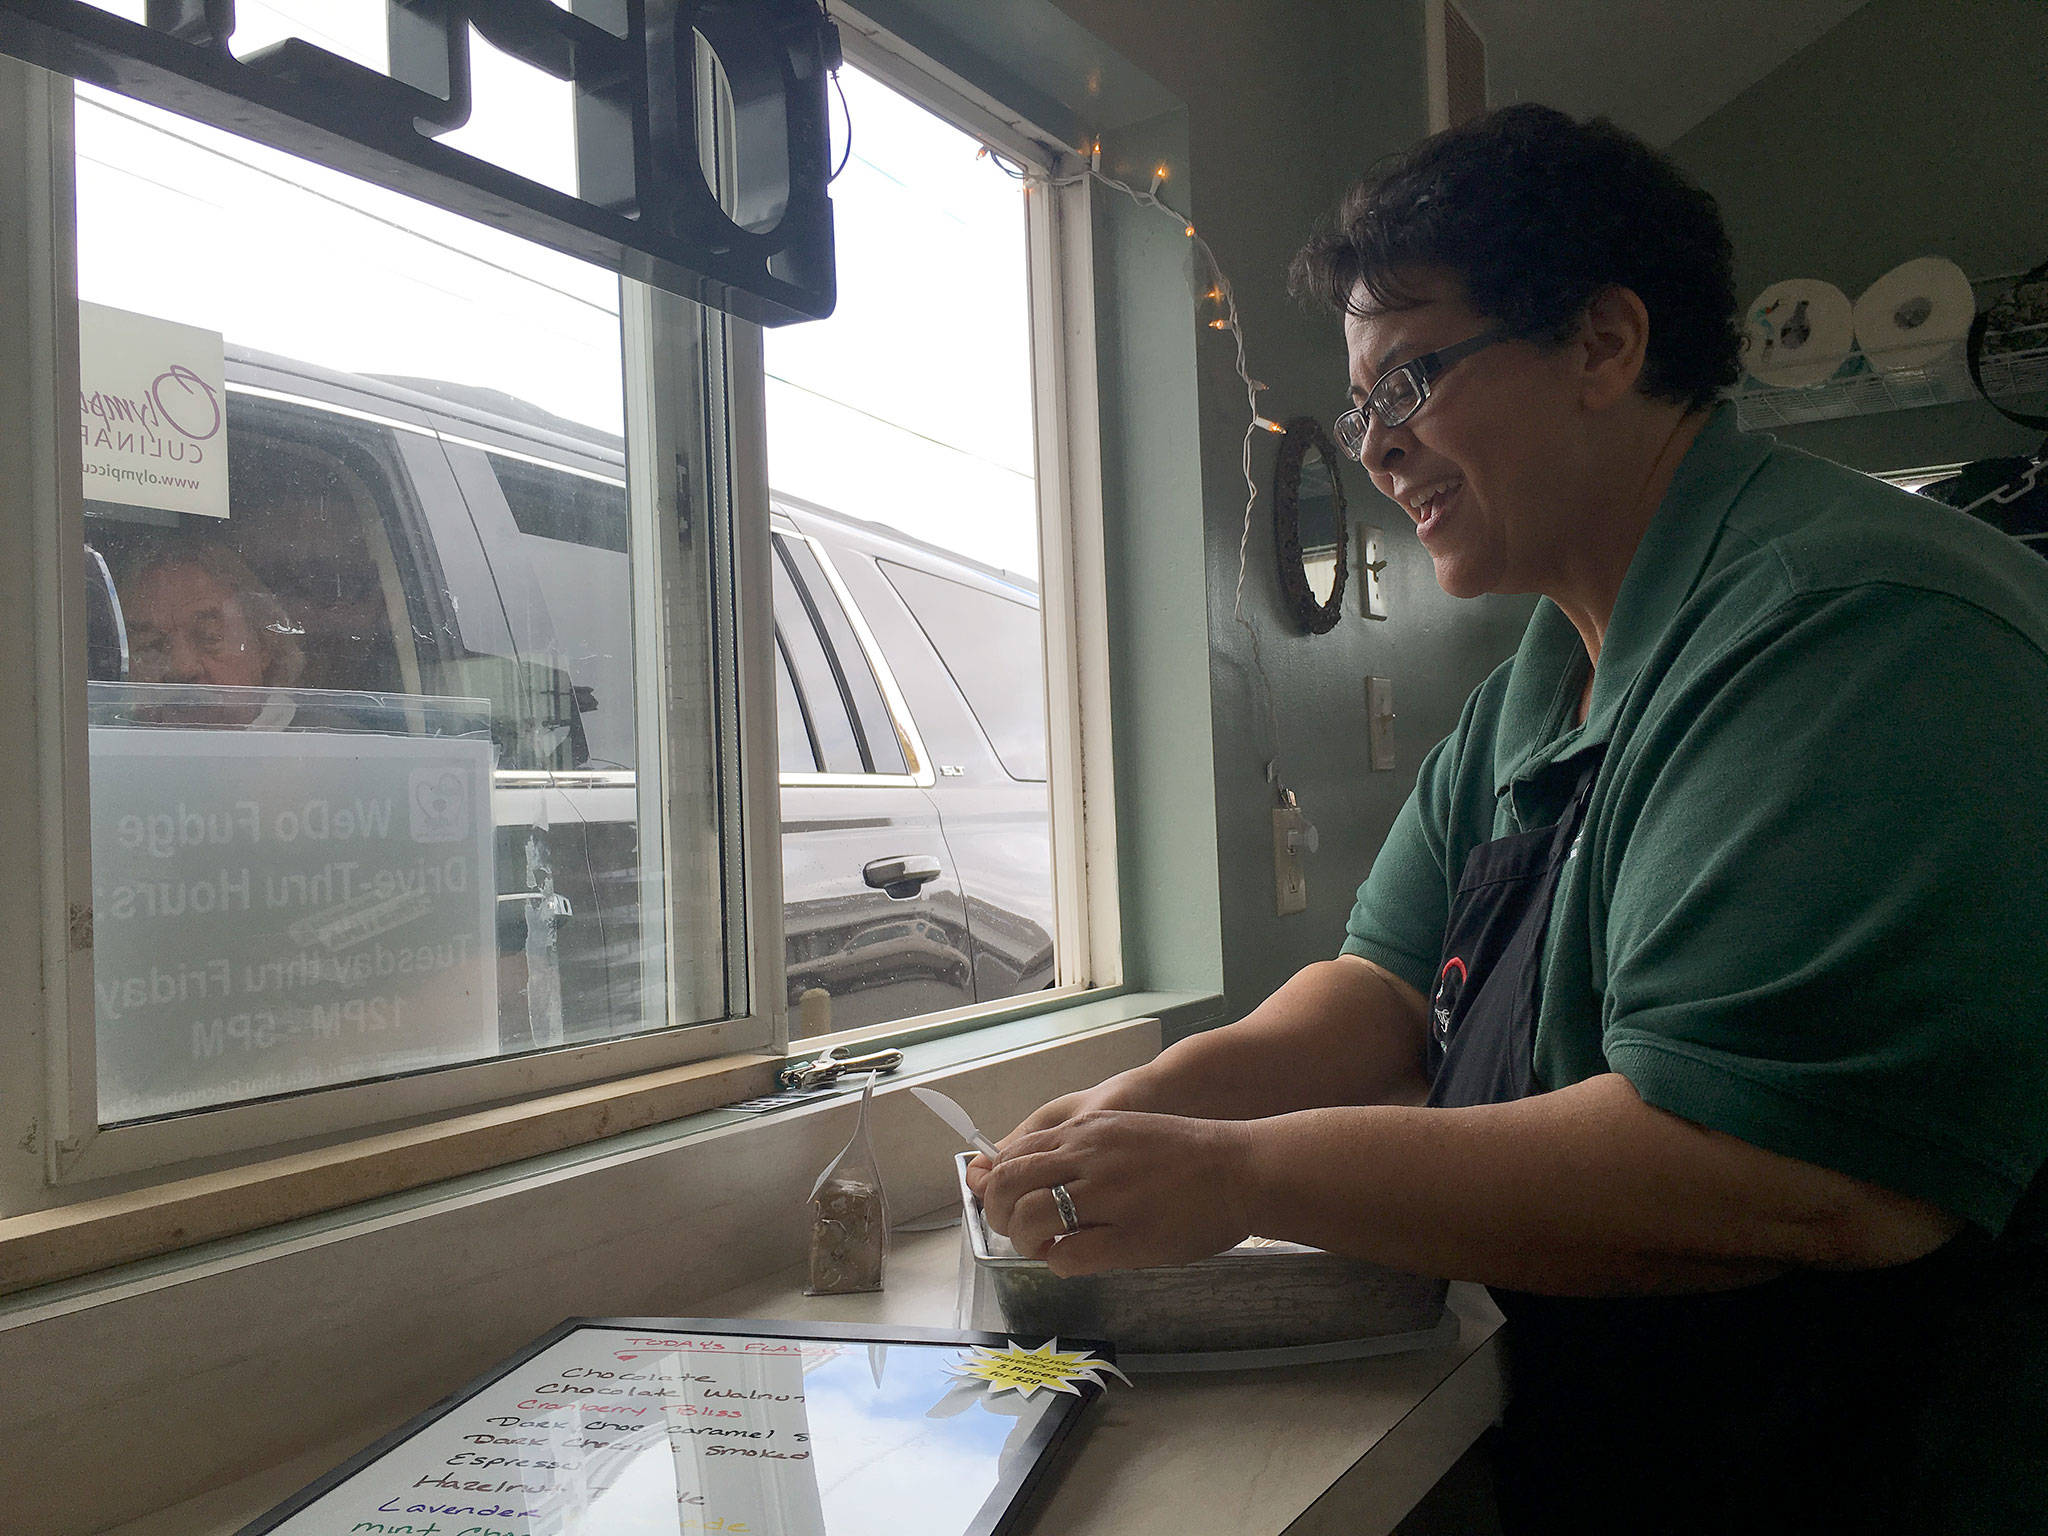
(849, 720)
(993, 647)
(583, 622)
(309, 544)
(557, 504)
(797, 752)
(819, 698)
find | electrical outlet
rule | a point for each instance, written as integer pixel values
(1372, 565)
(1293, 839)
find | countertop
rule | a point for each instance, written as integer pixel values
(1344, 1447)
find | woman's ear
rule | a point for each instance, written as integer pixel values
(1614, 340)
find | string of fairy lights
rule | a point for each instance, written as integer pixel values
(1218, 292)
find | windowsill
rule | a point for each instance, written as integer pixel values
(68, 1252)
(81, 1239)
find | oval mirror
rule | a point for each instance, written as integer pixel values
(1309, 530)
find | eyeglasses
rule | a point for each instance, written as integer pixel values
(1400, 392)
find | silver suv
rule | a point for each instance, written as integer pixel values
(420, 538)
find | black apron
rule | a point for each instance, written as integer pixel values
(1791, 1405)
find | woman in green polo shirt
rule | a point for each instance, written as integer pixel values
(1696, 1002)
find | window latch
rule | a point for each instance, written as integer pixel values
(831, 1066)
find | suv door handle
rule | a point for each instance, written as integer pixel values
(901, 878)
(554, 903)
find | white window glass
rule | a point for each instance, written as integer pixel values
(370, 713)
(917, 863)
(911, 405)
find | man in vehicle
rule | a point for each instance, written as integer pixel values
(1695, 1002)
(196, 614)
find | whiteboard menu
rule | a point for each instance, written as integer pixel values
(671, 1427)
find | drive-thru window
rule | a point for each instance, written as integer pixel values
(419, 637)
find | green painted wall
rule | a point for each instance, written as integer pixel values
(1151, 474)
(1916, 127)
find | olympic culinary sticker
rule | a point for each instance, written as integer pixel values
(152, 412)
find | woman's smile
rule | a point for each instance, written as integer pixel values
(1430, 506)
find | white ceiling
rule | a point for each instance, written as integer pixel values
(1656, 67)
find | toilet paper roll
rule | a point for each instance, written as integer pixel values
(1915, 315)
(1798, 332)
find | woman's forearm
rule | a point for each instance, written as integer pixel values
(1338, 1032)
(1584, 1191)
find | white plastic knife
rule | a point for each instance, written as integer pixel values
(961, 1122)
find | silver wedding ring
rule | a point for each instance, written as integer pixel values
(1065, 1202)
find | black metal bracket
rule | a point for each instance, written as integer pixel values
(644, 207)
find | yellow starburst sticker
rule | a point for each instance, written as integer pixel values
(1024, 1371)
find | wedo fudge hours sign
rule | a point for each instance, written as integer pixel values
(275, 911)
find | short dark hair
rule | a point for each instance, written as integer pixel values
(1536, 213)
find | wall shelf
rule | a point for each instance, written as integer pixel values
(1868, 391)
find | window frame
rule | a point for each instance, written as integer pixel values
(49, 956)
(682, 413)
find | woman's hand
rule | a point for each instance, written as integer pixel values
(1339, 1032)
(1147, 1189)
(1124, 1091)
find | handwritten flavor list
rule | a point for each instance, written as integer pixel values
(613, 1432)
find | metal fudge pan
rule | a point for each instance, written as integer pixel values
(1260, 1303)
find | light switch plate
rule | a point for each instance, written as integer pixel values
(1379, 721)
(1372, 566)
(1290, 876)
